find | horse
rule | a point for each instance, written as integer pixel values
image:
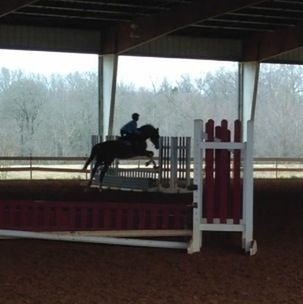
(123, 148)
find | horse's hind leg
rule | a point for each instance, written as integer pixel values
(102, 174)
(87, 163)
(90, 159)
(95, 167)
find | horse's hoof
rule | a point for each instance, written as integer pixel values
(156, 167)
(147, 164)
(192, 187)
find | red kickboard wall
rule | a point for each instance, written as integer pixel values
(31, 215)
(223, 191)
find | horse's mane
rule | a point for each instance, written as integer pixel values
(148, 126)
(148, 130)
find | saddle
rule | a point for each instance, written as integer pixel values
(130, 140)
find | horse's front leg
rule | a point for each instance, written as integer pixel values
(150, 154)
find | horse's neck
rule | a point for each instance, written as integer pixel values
(142, 137)
(145, 133)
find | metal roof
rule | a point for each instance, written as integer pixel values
(239, 30)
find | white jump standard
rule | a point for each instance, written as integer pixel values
(227, 222)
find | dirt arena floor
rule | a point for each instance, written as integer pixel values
(33, 271)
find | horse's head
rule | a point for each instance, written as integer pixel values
(155, 138)
(148, 131)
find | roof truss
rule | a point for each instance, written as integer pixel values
(121, 38)
(7, 7)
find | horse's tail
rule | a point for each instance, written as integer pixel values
(91, 157)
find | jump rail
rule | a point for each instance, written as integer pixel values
(172, 176)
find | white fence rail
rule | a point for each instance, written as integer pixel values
(33, 167)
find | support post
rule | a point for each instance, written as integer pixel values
(100, 97)
(248, 185)
(196, 242)
(109, 72)
(248, 88)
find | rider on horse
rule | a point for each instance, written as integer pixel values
(130, 127)
(104, 153)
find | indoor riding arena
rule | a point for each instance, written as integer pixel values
(218, 218)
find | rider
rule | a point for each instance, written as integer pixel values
(129, 131)
(131, 127)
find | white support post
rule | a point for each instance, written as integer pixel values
(248, 185)
(249, 72)
(100, 98)
(196, 242)
(110, 67)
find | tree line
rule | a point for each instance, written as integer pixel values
(56, 116)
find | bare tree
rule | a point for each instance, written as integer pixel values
(23, 100)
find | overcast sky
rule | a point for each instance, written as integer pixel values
(140, 71)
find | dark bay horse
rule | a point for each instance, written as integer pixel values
(123, 148)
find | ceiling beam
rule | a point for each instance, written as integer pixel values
(265, 46)
(7, 7)
(121, 38)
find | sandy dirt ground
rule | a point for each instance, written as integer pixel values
(33, 271)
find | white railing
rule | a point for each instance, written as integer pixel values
(33, 167)
(13, 167)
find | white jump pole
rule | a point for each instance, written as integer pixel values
(92, 239)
